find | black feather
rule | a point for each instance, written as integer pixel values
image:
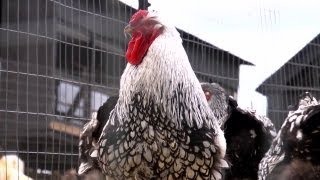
(162, 149)
(91, 134)
(103, 115)
(248, 135)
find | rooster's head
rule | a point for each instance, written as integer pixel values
(144, 27)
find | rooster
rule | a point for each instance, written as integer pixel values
(248, 134)
(161, 126)
(295, 152)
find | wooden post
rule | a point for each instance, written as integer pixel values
(144, 4)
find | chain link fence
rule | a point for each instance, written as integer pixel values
(61, 59)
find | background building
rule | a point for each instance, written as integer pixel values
(300, 74)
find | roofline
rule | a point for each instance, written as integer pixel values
(265, 82)
(242, 61)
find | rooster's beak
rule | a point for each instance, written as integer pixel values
(128, 29)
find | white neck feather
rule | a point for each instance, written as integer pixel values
(164, 67)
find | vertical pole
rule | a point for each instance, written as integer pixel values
(143, 4)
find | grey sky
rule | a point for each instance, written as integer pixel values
(266, 33)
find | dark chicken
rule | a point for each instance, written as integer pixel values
(295, 152)
(161, 126)
(90, 136)
(248, 134)
(218, 100)
(103, 115)
(87, 144)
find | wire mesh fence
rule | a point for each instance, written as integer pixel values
(298, 75)
(61, 59)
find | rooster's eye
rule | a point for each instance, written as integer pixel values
(208, 95)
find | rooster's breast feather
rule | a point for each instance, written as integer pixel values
(148, 141)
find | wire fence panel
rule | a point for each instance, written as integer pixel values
(298, 75)
(60, 60)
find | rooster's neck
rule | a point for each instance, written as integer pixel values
(166, 78)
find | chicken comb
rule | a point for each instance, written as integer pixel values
(139, 14)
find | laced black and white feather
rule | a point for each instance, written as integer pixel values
(296, 141)
(161, 126)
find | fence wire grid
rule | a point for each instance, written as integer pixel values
(60, 60)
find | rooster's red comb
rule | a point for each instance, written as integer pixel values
(139, 14)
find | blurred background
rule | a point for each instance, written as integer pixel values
(60, 60)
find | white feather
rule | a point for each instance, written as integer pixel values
(165, 66)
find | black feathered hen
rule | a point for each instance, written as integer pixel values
(248, 134)
(103, 115)
(89, 136)
(295, 152)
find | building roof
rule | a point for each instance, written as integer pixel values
(192, 38)
(284, 77)
(189, 37)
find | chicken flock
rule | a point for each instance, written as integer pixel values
(165, 124)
